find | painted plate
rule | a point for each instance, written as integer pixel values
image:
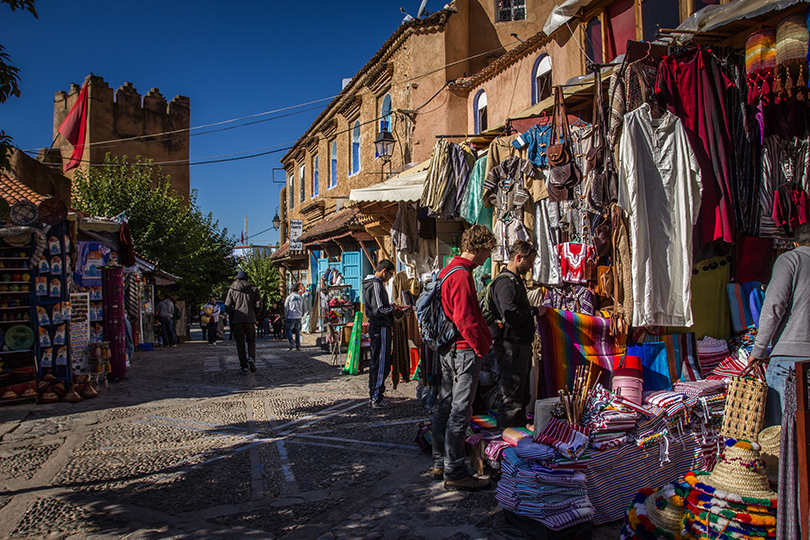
(19, 337)
(23, 212)
(52, 211)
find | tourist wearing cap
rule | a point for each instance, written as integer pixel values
(242, 303)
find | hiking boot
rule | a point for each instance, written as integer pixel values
(468, 483)
(252, 365)
(438, 473)
(382, 404)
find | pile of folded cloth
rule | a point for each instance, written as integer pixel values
(737, 360)
(607, 419)
(711, 352)
(554, 495)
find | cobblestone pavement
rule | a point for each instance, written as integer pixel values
(190, 447)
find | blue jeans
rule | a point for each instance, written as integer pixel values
(294, 327)
(167, 328)
(775, 375)
(460, 370)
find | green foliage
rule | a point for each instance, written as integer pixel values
(10, 78)
(264, 275)
(165, 227)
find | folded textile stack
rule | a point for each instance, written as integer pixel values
(734, 500)
(608, 419)
(569, 440)
(655, 514)
(513, 435)
(711, 352)
(556, 498)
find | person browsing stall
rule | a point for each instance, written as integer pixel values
(380, 315)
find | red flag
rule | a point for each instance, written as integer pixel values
(74, 128)
(242, 237)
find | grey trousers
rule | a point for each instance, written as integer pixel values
(460, 370)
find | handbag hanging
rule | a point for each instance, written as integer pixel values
(744, 414)
(559, 152)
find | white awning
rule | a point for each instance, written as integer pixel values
(406, 186)
(562, 14)
(714, 17)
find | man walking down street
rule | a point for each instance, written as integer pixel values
(293, 312)
(243, 302)
(165, 314)
(513, 335)
(785, 322)
(212, 312)
(461, 362)
(379, 313)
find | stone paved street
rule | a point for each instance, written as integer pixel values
(189, 447)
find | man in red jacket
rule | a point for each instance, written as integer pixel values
(461, 363)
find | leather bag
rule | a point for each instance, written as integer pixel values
(604, 281)
(559, 152)
(564, 176)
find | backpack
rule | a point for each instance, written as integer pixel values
(488, 308)
(436, 329)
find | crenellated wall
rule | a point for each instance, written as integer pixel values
(125, 123)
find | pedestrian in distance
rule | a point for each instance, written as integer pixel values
(243, 303)
(784, 322)
(461, 362)
(513, 334)
(380, 315)
(276, 322)
(293, 312)
(210, 317)
(165, 314)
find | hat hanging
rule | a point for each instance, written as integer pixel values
(792, 41)
(769, 440)
(760, 63)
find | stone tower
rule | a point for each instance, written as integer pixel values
(128, 124)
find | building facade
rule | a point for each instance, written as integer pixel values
(125, 123)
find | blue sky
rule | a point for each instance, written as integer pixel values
(231, 58)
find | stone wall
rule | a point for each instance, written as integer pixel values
(124, 123)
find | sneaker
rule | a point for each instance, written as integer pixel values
(175, 345)
(382, 404)
(468, 483)
(252, 365)
(244, 370)
(438, 473)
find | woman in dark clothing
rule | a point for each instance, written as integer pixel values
(274, 314)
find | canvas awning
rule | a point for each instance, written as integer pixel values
(562, 14)
(721, 16)
(406, 186)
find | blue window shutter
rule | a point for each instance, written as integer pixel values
(352, 273)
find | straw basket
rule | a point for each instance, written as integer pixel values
(745, 408)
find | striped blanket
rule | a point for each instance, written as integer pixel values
(572, 339)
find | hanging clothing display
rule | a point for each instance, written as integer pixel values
(535, 142)
(404, 231)
(463, 160)
(507, 187)
(439, 179)
(629, 89)
(546, 268)
(694, 88)
(500, 150)
(783, 162)
(572, 259)
(660, 189)
(473, 201)
(400, 357)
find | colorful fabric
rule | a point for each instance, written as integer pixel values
(682, 357)
(572, 339)
(654, 365)
(745, 302)
(483, 421)
(711, 352)
(569, 440)
(512, 435)
(760, 63)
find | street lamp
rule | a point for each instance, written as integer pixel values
(384, 144)
(276, 221)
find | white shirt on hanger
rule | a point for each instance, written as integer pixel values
(660, 189)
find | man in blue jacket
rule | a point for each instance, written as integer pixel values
(379, 313)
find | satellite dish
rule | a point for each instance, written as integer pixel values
(421, 9)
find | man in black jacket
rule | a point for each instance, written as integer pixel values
(513, 335)
(379, 313)
(242, 303)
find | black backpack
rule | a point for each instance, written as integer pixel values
(437, 330)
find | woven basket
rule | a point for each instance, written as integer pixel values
(745, 408)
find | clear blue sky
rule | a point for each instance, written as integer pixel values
(231, 58)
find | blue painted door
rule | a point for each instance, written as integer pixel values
(352, 273)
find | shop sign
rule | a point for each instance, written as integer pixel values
(296, 230)
(295, 245)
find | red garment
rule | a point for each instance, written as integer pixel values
(790, 207)
(694, 87)
(755, 258)
(572, 261)
(460, 303)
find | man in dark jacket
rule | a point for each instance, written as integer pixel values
(242, 303)
(513, 335)
(461, 364)
(379, 313)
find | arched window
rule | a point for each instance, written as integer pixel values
(385, 113)
(355, 155)
(480, 106)
(315, 176)
(333, 166)
(541, 79)
(302, 171)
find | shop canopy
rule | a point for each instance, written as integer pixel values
(722, 17)
(563, 13)
(406, 186)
